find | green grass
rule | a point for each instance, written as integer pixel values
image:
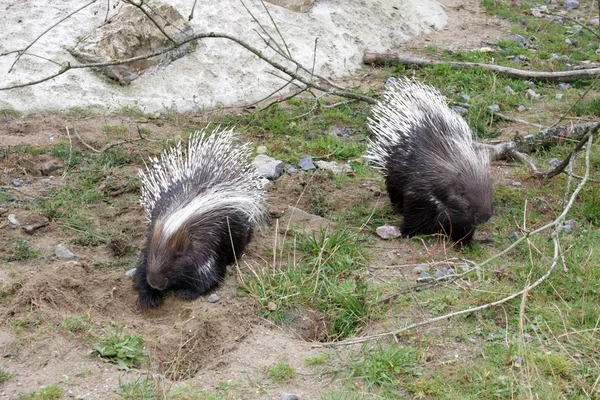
(5, 375)
(143, 388)
(22, 251)
(52, 392)
(125, 351)
(76, 325)
(281, 372)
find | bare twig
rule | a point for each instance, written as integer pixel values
(521, 121)
(21, 52)
(140, 7)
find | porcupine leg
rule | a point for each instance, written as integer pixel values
(463, 235)
(419, 218)
(148, 296)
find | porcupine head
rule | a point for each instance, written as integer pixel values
(202, 202)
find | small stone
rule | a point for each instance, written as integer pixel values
(268, 167)
(531, 94)
(388, 232)
(70, 394)
(213, 298)
(289, 396)
(559, 96)
(464, 98)
(130, 273)
(522, 108)
(458, 339)
(450, 271)
(265, 183)
(521, 40)
(17, 182)
(516, 184)
(568, 226)
(261, 149)
(563, 86)
(554, 161)
(12, 197)
(306, 163)
(291, 169)
(571, 4)
(518, 363)
(460, 110)
(554, 57)
(568, 41)
(510, 91)
(494, 108)
(441, 273)
(13, 221)
(421, 268)
(390, 82)
(49, 167)
(513, 236)
(64, 254)
(333, 167)
(424, 277)
(272, 306)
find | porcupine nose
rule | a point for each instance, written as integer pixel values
(481, 218)
(158, 282)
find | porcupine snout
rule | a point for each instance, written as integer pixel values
(158, 281)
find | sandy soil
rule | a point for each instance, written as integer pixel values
(195, 343)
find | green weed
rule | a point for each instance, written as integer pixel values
(138, 389)
(281, 372)
(5, 375)
(22, 251)
(52, 392)
(125, 351)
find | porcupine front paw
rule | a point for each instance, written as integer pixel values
(150, 298)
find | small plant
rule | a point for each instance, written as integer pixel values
(5, 375)
(138, 389)
(52, 392)
(316, 360)
(74, 325)
(385, 368)
(281, 372)
(22, 251)
(125, 351)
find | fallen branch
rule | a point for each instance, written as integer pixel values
(371, 58)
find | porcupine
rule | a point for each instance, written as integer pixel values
(203, 203)
(433, 173)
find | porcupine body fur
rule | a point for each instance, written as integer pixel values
(203, 202)
(433, 174)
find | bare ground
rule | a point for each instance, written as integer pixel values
(198, 343)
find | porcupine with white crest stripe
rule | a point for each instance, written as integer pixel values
(433, 174)
(203, 203)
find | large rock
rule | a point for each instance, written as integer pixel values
(294, 5)
(131, 33)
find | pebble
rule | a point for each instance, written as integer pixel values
(559, 96)
(554, 161)
(70, 394)
(425, 277)
(390, 82)
(460, 110)
(563, 86)
(333, 167)
(421, 268)
(306, 163)
(291, 169)
(522, 108)
(518, 362)
(513, 236)
(130, 273)
(13, 221)
(49, 167)
(17, 182)
(213, 298)
(388, 232)
(64, 254)
(521, 40)
(509, 91)
(531, 94)
(289, 396)
(464, 98)
(261, 149)
(571, 4)
(493, 108)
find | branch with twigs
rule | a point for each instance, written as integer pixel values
(556, 225)
(110, 145)
(371, 58)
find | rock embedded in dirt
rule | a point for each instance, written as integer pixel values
(130, 273)
(571, 4)
(268, 167)
(289, 396)
(521, 41)
(333, 167)
(64, 254)
(49, 167)
(388, 232)
(460, 110)
(303, 221)
(213, 298)
(306, 163)
(13, 221)
(130, 34)
(421, 268)
(494, 108)
(510, 91)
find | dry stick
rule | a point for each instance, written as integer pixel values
(561, 76)
(191, 16)
(278, 50)
(21, 52)
(211, 35)
(107, 10)
(554, 235)
(576, 22)
(521, 121)
(276, 28)
(108, 146)
(562, 117)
